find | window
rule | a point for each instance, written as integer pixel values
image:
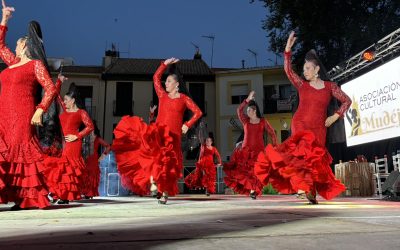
(86, 95)
(238, 92)
(270, 98)
(123, 104)
(286, 93)
(197, 91)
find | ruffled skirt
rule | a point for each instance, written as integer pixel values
(142, 151)
(21, 180)
(239, 172)
(299, 163)
(91, 177)
(204, 176)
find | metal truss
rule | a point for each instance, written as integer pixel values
(387, 46)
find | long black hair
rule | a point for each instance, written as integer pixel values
(174, 71)
(312, 56)
(73, 92)
(50, 134)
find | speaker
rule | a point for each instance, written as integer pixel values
(392, 184)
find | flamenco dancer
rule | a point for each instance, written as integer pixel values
(204, 176)
(63, 175)
(91, 174)
(240, 169)
(20, 153)
(151, 154)
(302, 163)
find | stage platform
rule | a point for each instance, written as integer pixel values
(200, 222)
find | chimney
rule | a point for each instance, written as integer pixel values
(110, 56)
(197, 55)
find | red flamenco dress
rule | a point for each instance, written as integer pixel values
(302, 162)
(204, 176)
(91, 174)
(144, 150)
(239, 170)
(63, 174)
(20, 154)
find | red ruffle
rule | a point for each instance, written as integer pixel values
(20, 175)
(299, 163)
(29, 152)
(24, 185)
(239, 172)
(91, 177)
(204, 176)
(3, 150)
(142, 151)
(63, 176)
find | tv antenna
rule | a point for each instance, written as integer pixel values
(196, 47)
(254, 53)
(211, 38)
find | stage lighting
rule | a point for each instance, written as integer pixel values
(369, 55)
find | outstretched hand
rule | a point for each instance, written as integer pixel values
(171, 60)
(62, 78)
(153, 108)
(251, 96)
(6, 12)
(290, 41)
(5, 7)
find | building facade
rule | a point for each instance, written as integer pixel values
(274, 95)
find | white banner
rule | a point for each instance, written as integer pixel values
(375, 110)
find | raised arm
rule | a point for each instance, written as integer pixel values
(5, 53)
(44, 79)
(293, 77)
(89, 127)
(160, 91)
(240, 112)
(342, 97)
(195, 109)
(271, 132)
(58, 89)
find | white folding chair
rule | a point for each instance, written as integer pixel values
(381, 173)
(396, 161)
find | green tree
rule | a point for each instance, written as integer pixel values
(337, 29)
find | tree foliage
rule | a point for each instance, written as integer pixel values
(337, 29)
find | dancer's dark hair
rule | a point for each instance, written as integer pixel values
(73, 92)
(50, 133)
(313, 57)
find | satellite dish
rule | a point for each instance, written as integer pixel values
(55, 64)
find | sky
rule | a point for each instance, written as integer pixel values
(84, 29)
